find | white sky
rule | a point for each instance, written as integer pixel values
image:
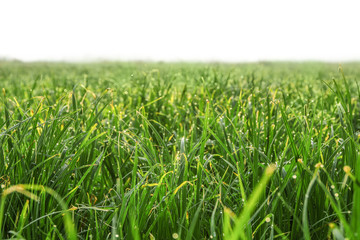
(174, 30)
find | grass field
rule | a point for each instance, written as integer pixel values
(179, 151)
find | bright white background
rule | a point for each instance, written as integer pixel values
(174, 30)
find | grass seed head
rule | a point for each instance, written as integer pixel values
(347, 169)
(332, 225)
(319, 165)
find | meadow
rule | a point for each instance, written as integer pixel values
(179, 151)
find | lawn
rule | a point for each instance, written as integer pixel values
(179, 151)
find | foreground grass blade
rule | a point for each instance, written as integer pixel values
(241, 222)
(23, 189)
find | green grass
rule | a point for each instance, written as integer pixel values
(179, 151)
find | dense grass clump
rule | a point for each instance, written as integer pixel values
(179, 151)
